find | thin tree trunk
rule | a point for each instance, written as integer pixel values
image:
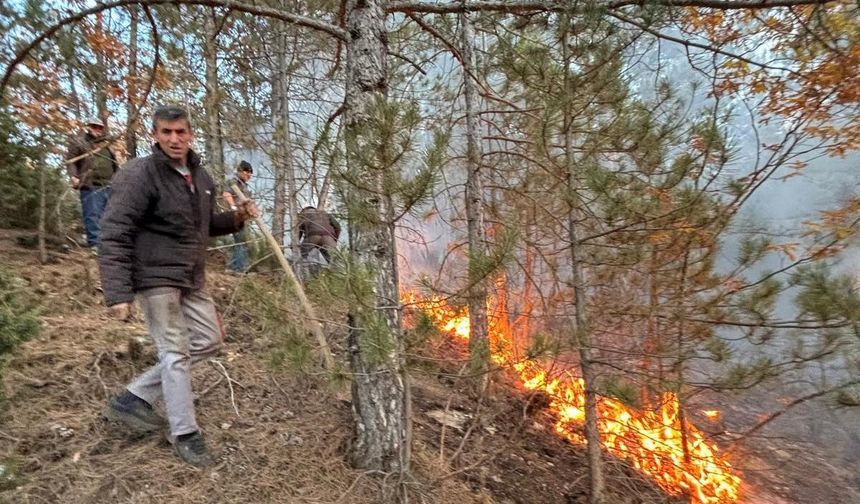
(73, 86)
(285, 204)
(582, 330)
(131, 128)
(479, 352)
(43, 203)
(100, 80)
(379, 389)
(527, 304)
(326, 182)
(682, 294)
(282, 136)
(651, 346)
(212, 101)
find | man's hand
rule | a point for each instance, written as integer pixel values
(246, 210)
(76, 182)
(122, 311)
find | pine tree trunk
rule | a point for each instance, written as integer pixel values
(379, 390)
(479, 352)
(582, 331)
(43, 210)
(282, 135)
(285, 204)
(131, 111)
(100, 80)
(212, 100)
(73, 91)
(682, 296)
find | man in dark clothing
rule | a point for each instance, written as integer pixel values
(153, 248)
(239, 258)
(317, 230)
(90, 165)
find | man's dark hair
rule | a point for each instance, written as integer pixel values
(169, 113)
(309, 207)
(245, 166)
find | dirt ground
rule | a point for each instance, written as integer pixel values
(278, 435)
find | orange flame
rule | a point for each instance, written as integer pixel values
(713, 415)
(677, 457)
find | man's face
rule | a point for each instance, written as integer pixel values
(245, 176)
(96, 130)
(174, 138)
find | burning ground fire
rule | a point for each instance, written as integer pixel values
(651, 441)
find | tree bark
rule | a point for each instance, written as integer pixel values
(285, 178)
(280, 119)
(100, 78)
(479, 351)
(212, 100)
(132, 80)
(582, 331)
(43, 203)
(379, 388)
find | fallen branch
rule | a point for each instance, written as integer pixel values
(98, 371)
(223, 370)
(210, 387)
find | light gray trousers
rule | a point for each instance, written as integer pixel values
(185, 329)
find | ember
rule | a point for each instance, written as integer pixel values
(652, 441)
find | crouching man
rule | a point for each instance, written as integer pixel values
(153, 248)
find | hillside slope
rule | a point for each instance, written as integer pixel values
(278, 435)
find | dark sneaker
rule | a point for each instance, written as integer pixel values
(192, 449)
(134, 412)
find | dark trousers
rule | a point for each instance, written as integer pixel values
(324, 243)
(93, 203)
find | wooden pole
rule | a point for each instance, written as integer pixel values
(314, 325)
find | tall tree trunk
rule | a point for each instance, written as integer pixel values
(652, 345)
(280, 113)
(285, 177)
(682, 317)
(479, 351)
(582, 330)
(73, 87)
(529, 267)
(131, 106)
(212, 101)
(43, 210)
(380, 401)
(100, 79)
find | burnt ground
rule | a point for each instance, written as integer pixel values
(279, 435)
(779, 464)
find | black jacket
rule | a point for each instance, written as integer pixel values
(155, 229)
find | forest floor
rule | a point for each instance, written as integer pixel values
(279, 435)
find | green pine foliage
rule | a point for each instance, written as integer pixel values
(19, 315)
(19, 199)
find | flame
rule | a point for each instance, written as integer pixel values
(675, 454)
(713, 415)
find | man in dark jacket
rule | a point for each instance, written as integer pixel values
(154, 237)
(317, 230)
(90, 165)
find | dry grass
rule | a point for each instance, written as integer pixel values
(286, 444)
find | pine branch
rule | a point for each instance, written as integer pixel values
(305, 21)
(707, 47)
(531, 6)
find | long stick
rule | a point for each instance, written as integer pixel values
(303, 299)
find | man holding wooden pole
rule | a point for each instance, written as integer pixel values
(153, 248)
